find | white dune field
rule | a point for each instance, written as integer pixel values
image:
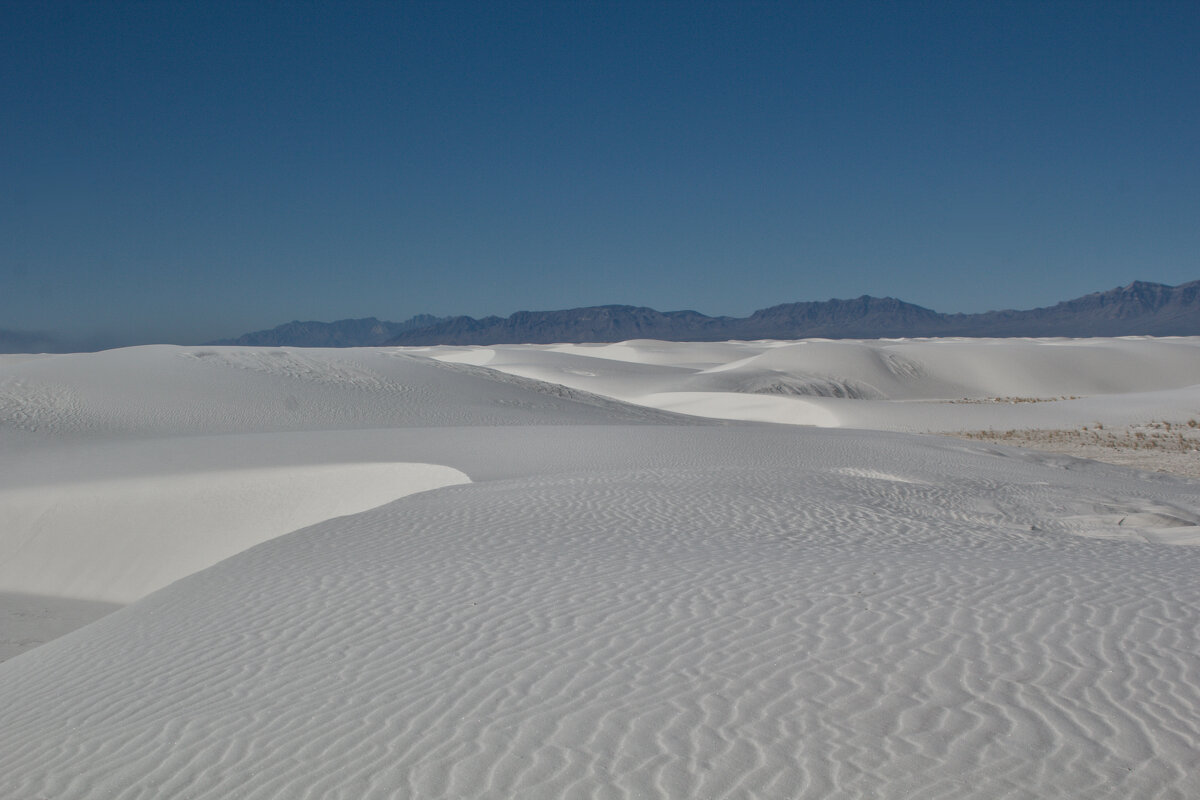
(915, 385)
(1132, 400)
(568, 595)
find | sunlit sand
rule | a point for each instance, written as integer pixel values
(597, 571)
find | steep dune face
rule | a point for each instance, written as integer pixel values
(117, 540)
(522, 578)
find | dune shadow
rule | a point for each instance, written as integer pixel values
(30, 620)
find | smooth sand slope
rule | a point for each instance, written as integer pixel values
(620, 603)
(125, 470)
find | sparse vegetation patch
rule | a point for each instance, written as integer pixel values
(1157, 446)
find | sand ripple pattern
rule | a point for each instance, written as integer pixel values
(699, 633)
(31, 406)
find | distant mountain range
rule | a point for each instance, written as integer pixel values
(1148, 309)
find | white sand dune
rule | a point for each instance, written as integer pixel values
(171, 391)
(910, 385)
(117, 540)
(610, 600)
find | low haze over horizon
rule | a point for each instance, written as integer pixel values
(187, 172)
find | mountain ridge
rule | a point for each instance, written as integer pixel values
(1140, 308)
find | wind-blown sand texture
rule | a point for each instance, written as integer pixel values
(512, 586)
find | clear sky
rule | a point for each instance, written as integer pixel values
(178, 172)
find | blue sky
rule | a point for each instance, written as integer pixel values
(178, 172)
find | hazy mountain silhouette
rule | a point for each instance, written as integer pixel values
(1137, 309)
(1150, 309)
